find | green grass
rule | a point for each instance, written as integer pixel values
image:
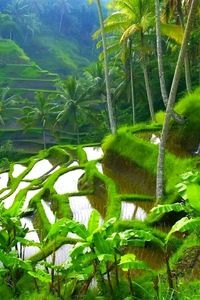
(61, 55)
(25, 71)
(20, 74)
(144, 155)
(11, 52)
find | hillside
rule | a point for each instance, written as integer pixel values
(21, 74)
(54, 34)
(59, 54)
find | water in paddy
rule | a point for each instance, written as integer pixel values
(81, 206)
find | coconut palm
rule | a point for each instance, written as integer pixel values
(163, 88)
(7, 25)
(132, 20)
(172, 98)
(40, 114)
(64, 7)
(75, 104)
(176, 10)
(24, 17)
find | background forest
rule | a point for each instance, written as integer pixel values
(56, 36)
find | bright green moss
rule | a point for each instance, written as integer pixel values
(61, 207)
(189, 107)
(144, 154)
(63, 54)
(58, 155)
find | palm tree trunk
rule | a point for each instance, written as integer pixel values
(188, 80)
(44, 137)
(131, 83)
(76, 129)
(163, 88)
(108, 93)
(172, 97)
(148, 91)
(61, 21)
(159, 54)
(146, 79)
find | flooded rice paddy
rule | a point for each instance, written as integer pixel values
(66, 183)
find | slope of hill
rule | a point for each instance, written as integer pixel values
(22, 75)
(58, 53)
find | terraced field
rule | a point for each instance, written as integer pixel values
(23, 76)
(26, 79)
(57, 185)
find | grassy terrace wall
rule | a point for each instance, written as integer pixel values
(143, 156)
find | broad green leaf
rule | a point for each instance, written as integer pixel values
(129, 261)
(41, 275)
(114, 240)
(161, 209)
(108, 225)
(78, 249)
(173, 31)
(27, 243)
(11, 260)
(184, 224)
(3, 239)
(93, 223)
(82, 274)
(102, 246)
(133, 243)
(106, 258)
(138, 238)
(193, 195)
(64, 226)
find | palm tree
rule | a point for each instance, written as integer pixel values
(172, 97)
(63, 7)
(40, 114)
(21, 13)
(106, 70)
(159, 54)
(75, 105)
(176, 9)
(7, 25)
(132, 20)
(163, 88)
(7, 104)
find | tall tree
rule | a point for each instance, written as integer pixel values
(106, 68)
(133, 19)
(40, 114)
(176, 8)
(76, 104)
(163, 88)
(63, 7)
(159, 54)
(171, 100)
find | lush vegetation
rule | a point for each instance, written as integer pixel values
(75, 222)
